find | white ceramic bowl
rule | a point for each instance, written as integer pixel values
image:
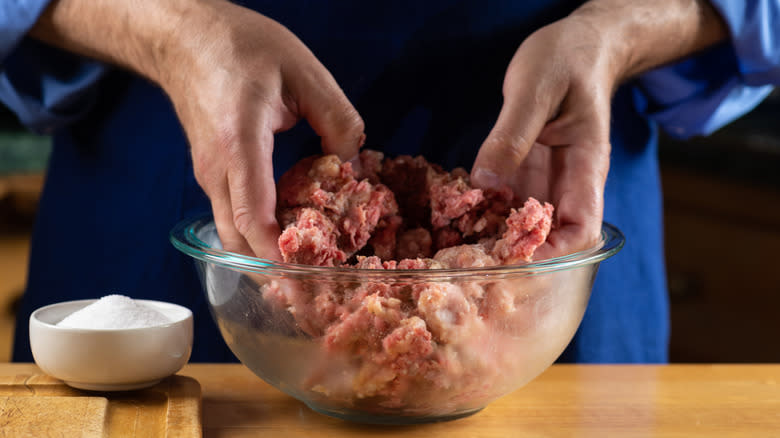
(110, 359)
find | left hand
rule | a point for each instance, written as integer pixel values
(551, 139)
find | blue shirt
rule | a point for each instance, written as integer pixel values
(427, 80)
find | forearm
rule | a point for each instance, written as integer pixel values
(645, 35)
(131, 34)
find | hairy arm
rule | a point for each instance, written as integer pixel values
(132, 34)
(645, 35)
(235, 78)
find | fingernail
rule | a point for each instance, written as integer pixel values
(485, 178)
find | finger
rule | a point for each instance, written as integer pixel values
(251, 187)
(581, 162)
(325, 106)
(579, 198)
(522, 117)
(229, 236)
(210, 173)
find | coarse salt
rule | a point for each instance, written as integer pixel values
(114, 312)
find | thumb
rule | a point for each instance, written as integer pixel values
(503, 151)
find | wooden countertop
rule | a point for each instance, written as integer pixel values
(567, 400)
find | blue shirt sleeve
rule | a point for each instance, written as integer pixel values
(16, 19)
(45, 87)
(701, 94)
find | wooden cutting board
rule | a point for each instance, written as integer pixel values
(41, 406)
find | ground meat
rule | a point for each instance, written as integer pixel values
(397, 208)
(348, 209)
(526, 230)
(414, 243)
(383, 241)
(409, 179)
(452, 200)
(402, 214)
(312, 240)
(466, 256)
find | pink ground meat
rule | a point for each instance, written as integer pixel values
(325, 193)
(395, 209)
(397, 214)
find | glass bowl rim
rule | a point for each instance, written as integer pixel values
(184, 237)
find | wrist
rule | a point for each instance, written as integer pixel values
(201, 36)
(645, 35)
(175, 44)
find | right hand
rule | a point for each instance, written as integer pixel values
(236, 78)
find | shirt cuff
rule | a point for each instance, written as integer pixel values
(754, 26)
(709, 90)
(17, 17)
(700, 114)
(48, 88)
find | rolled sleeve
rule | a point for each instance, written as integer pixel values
(755, 33)
(17, 17)
(45, 87)
(701, 94)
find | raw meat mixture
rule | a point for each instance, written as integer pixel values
(397, 209)
(396, 340)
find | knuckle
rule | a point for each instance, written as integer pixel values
(354, 121)
(224, 229)
(226, 139)
(243, 220)
(509, 147)
(343, 128)
(354, 128)
(209, 158)
(201, 165)
(206, 170)
(348, 120)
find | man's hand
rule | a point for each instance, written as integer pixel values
(235, 79)
(551, 139)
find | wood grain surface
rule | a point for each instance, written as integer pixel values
(35, 417)
(14, 254)
(36, 405)
(565, 401)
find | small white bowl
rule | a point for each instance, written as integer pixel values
(110, 359)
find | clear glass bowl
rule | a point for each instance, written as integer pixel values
(394, 347)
